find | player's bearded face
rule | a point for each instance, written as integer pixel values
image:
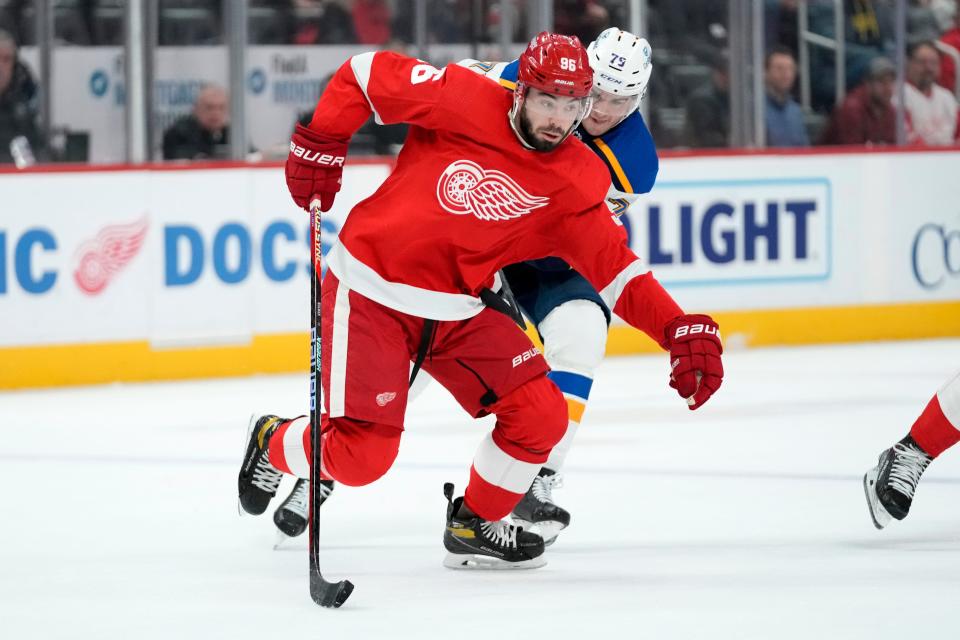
(546, 119)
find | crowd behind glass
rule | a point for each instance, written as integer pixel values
(687, 105)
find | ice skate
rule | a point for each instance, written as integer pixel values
(537, 512)
(890, 485)
(475, 543)
(291, 516)
(258, 480)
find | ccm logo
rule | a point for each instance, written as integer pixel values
(315, 156)
(526, 355)
(692, 329)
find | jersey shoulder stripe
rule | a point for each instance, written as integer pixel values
(629, 152)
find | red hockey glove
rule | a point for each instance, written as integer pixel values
(314, 167)
(696, 370)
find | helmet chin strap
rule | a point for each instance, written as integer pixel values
(514, 114)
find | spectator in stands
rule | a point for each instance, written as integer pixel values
(780, 23)
(784, 117)
(19, 109)
(932, 111)
(868, 32)
(371, 21)
(582, 18)
(320, 22)
(949, 17)
(867, 115)
(708, 109)
(921, 22)
(698, 27)
(203, 134)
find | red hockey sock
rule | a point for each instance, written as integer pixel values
(933, 431)
(290, 447)
(530, 420)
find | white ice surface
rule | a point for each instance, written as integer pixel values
(745, 519)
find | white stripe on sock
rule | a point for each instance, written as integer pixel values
(558, 454)
(949, 397)
(501, 470)
(293, 450)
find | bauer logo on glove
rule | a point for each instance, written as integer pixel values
(315, 156)
(314, 167)
(696, 370)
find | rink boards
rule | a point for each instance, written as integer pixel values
(133, 274)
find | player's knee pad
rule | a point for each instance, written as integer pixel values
(575, 337)
(356, 453)
(531, 419)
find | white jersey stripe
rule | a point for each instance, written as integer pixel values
(338, 352)
(612, 292)
(405, 298)
(361, 65)
(501, 470)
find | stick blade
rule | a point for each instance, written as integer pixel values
(329, 594)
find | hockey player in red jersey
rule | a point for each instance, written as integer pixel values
(485, 179)
(890, 485)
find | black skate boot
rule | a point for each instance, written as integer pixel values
(474, 543)
(890, 485)
(291, 516)
(258, 479)
(536, 510)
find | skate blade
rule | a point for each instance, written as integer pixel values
(548, 529)
(280, 540)
(878, 514)
(472, 561)
(243, 454)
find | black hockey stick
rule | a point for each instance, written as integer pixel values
(325, 594)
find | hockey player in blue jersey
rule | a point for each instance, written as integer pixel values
(568, 313)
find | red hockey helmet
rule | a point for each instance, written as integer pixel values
(556, 64)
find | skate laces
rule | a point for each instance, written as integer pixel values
(500, 532)
(297, 502)
(909, 463)
(265, 475)
(543, 487)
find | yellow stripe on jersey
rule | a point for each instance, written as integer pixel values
(575, 409)
(612, 159)
(507, 84)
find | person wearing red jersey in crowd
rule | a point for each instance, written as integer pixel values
(867, 115)
(486, 178)
(891, 484)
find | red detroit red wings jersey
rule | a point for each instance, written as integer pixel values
(467, 198)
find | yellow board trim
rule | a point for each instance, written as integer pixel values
(812, 325)
(99, 363)
(614, 163)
